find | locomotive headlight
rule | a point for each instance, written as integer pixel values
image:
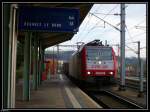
(99, 62)
(88, 72)
(111, 73)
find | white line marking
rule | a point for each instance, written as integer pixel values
(98, 106)
(61, 77)
(73, 100)
(70, 95)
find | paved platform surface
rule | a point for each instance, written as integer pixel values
(57, 92)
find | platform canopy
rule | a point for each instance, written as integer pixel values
(52, 38)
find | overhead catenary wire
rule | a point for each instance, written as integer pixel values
(131, 49)
(107, 14)
(141, 27)
(115, 14)
(88, 21)
(143, 48)
(140, 22)
(102, 18)
(107, 30)
(139, 34)
(107, 23)
(128, 33)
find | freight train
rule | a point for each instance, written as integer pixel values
(93, 61)
(65, 68)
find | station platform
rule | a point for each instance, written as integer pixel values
(57, 92)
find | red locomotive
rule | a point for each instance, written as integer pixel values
(93, 60)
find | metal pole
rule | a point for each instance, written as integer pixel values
(31, 61)
(35, 51)
(105, 42)
(39, 63)
(26, 88)
(141, 81)
(57, 57)
(140, 71)
(141, 77)
(139, 58)
(39, 66)
(43, 59)
(12, 58)
(37, 60)
(53, 62)
(30, 58)
(118, 61)
(14, 55)
(38, 69)
(122, 43)
(6, 57)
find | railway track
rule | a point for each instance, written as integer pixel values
(110, 100)
(106, 98)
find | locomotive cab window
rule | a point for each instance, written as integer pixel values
(99, 54)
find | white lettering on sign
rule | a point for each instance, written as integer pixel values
(45, 24)
(71, 17)
(71, 23)
(56, 25)
(35, 24)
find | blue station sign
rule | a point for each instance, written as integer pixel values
(48, 19)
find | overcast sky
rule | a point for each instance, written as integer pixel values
(94, 28)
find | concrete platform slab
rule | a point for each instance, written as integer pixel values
(58, 92)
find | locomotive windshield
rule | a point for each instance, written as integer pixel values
(99, 54)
